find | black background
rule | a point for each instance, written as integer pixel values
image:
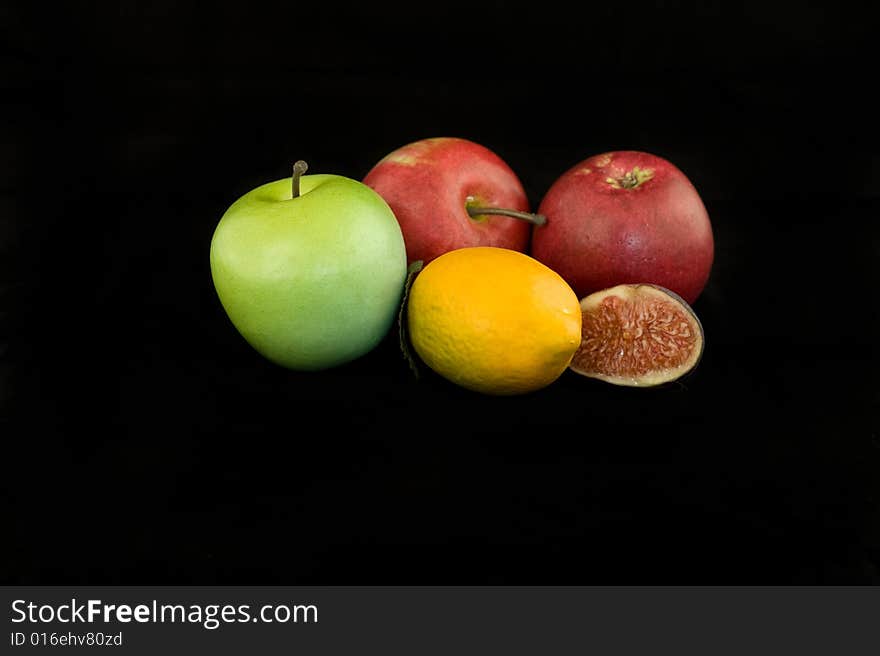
(145, 442)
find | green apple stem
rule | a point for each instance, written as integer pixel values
(536, 219)
(299, 168)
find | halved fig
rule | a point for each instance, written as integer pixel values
(637, 335)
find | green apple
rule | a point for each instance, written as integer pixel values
(310, 269)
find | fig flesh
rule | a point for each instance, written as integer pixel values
(638, 335)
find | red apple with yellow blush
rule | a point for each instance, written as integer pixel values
(449, 193)
(625, 217)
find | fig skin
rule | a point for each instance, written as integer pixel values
(635, 293)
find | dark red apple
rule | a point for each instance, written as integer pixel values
(449, 193)
(625, 217)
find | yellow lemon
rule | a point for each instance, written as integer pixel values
(493, 320)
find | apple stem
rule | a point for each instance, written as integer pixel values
(299, 168)
(632, 179)
(628, 181)
(537, 219)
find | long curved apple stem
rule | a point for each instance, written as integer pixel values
(299, 168)
(537, 219)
